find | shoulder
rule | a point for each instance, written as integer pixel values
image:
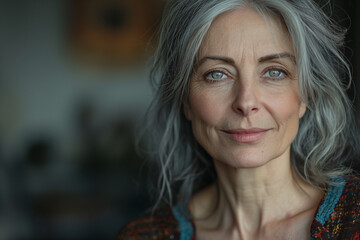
(345, 219)
(351, 190)
(338, 215)
(157, 224)
(349, 195)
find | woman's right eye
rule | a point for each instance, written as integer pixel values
(215, 75)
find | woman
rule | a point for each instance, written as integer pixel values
(253, 124)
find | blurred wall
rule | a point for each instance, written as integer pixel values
(68, 168)
(41, 83)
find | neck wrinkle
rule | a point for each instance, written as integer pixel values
(259, 195)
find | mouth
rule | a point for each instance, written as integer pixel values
(246, 135)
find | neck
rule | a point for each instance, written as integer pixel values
(261, 195)
(242, 186)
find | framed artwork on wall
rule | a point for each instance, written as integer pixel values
(112, 32)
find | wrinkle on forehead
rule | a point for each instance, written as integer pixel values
(229, 24)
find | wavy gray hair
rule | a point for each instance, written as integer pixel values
(326, 138)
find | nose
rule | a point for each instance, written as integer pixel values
(246, 99)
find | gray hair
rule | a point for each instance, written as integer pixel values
(326, 139)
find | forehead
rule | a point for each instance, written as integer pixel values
(245, 31)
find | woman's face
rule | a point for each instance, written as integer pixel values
(244, 102)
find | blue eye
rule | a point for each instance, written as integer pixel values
(216, 75)
(274, 73)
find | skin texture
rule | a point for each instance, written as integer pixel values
(244, 106)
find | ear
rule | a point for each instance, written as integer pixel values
(187, 111)
(302, 109)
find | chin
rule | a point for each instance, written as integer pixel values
(252, 159)
(247, 164)
(245, 161)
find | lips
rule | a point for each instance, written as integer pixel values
(246, 135)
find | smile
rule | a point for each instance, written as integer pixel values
(246, 135)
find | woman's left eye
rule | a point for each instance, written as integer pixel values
(275, 74)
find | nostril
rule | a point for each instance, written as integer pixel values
(246, 104)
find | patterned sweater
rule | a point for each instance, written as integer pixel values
(337, 217)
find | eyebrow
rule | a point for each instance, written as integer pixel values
(278, 56)
(262, 59)
(216, 58)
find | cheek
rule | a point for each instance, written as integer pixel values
(205, 108)
(302, 110)
(287, 112)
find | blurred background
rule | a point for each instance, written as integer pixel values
(73, 85)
